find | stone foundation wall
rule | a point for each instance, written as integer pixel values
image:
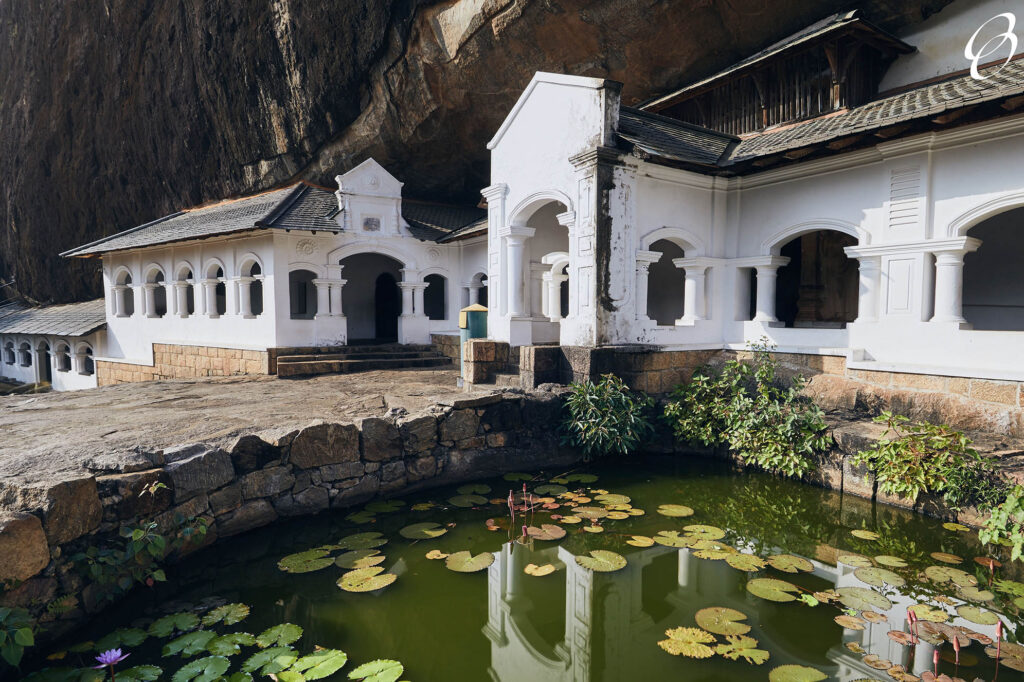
(447, 345)
(185, 362)
(255, 480)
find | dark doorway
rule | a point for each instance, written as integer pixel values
(45, 369)
(387, 306)
(818, 288)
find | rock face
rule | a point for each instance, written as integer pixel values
(23, 548)
(117, 112)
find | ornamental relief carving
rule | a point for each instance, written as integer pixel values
(306, 247)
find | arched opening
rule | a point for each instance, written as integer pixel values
(818, 287)
(43, 362)
(255, 288)
(993, 292)
(481, 293)
(25, 351)
(187, 306)
(549, 237)
(88, 367)
(302, 294)
(371, 300)
(435, 297)
(159, 293)
(220, 291)
(63, 358)
(9, 353)
(665, 284)
(126, 302)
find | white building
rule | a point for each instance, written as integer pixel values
(840, 193)
(54, 345)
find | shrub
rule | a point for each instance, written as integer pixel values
(1005, 525)
(16, 634)
(748, 408)
(606, 417)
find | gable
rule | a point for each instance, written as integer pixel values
(369, 179)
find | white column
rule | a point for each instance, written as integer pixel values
(644, 259)
(169, 297)
(119, 294)
(545, 294)
(244, 299)
(417, 297)
(406, 288)
(693, 290)
(181, 299)
(515, 243)
(337, 310)
(537, 271)
(210, 296)
(149, 289)
(323, 298)
(474, 294)
(870, 281)
(949, 286)
(766, 275)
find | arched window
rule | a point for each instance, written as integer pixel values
(88, 366)
(434, 297)
(158, 297)
(63, 358)
(302, 294)
(666, 284)
(255, 288)
(481, 294)
(993, 287)
(25, 351)
(818, 287)
(126, 300)
(9, 353)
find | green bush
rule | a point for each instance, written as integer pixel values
(1005, 525)
(16, 634)
(746, 407)
(606, 417)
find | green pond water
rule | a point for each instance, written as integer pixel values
(577, 624)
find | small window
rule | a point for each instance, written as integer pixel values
(255, 289)
(88, 364)
(63, 358)
(220, 292)
(159, 295)
(26, 355)
(302, 294)
(127, 295)
(9, 353)
(434, 297)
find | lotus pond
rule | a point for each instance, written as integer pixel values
(661, 569)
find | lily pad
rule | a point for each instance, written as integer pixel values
(593, 528)
(140, 673)
(746, 562)
(361, 517)
(795, 673)
(550, 489)
(367, 540)
(474, 489)
(423, 531)
(690, 642)
(167, 625)
(270, 661)
(900, 637)
(672, 538)
(927, 613)
(675, 510)
(701, 532)
(230, 644)
(279, 635)
(971, 593)
(381, 670)
(581, 478)
(863, 598)
(189, 644)
(517, 476)
(229, 614)
(865, 534)
(539, 571)
(789, 563)
(366, 579)
(742, 647)
(122, 637)
(466, 501)
(320, 664)
(722, 620)
(879, 577)
(772, 589)
(640, 541)
(876, 662)
(855, 560)
(617, 515)
(384, 506)
(306, 562)
(466, 562)
(874, 617)
(546, 531)
(947, 558)
(602, 561)
(202, 670)
(591, 513)
(570, 519)
(715, 551)
(955, 527)
(848, 622)
(360, 558)
(945, 574)
(976, 615)
(612, 498)
(890, 561)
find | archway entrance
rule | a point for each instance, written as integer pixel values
(993, 278)
(44, 367)
(818, 287)
(371, 299)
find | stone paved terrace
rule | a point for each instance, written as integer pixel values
(42, 435)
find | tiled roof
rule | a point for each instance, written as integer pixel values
(74, 319)
(435, 222)
(668, 138)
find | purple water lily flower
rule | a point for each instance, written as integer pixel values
(110, 658)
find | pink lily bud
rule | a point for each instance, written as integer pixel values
(935, 661)
(956, 649)
(999, 630)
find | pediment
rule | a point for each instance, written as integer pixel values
(370, 179)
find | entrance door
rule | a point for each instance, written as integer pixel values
(387, 303)
(43, 363)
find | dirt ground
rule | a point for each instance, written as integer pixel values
(53, 432)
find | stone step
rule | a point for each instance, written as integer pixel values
(503, 380)
(291, 369)
(355, 356)
(357, 348)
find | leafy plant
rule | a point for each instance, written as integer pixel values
(606, 417)
(746, 407)
(17, 632)
(1005, 525)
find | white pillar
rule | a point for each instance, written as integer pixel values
(150, 299)
(516, 247)
(181, 298)
(474, 294)
(169, 296)
(336, 301)
(406, 288)
(323, 298)
(244, 298)
(545, 294)
(766, 275)
(870, 282)
(555, 296)
(537, 271)
(417, 297)
(119, 295)
(210, 296)
(644, 259)
(949, 286)
(693, 292)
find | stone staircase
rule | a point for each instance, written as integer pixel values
(345, 359)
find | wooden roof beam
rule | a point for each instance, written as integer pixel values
(797, 154)
(951, 116)
(1013, 103)
(844, 142)
(893, 131)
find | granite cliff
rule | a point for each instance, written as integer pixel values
(114, 112)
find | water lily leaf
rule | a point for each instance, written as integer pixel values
(550, 489)
(722, 621)
(290, 676)
(591, 513)
(855, 647)
(865, 534)
(474, 489)
(140, 673)
(517, 476)
(230, 644)
(320, 664)
(715, 551)
(672, 538)
(640, 541)
(423, 531)
(381, 670)
(947, 558)
(617, 515)
(927, 613)
(466, 501)
(988, 562)
(704, 532)
(874, 661)
(581, 478)
(367, 540)
(901, 638)
(422, 506)
(972, 593)
(360, 558)
(956, 527)
(270, 661)
(746, 562)
(675, 510)
(384, 506)
(635, 512)
(279, 635)
(189, 644)
(361, 517)
(772, 589)
(690, 642)
(855, 560)
(122, 637)
(612, 498)
(809, 599)
(593, 528)
(202, 670)
(891, 561)
(879, 577)
(229, 614)
(466, 562)
(366, 579)
(874, 617)
(435, 554)
(547, 531)
(789, 563)
(602, 560)
(976, 615)
(945, 574)
(795, 673)
(306, 562)
(742, 647)
(539, 571)
(570, 519)
(165, 626)
(849, 622)
(863, 598)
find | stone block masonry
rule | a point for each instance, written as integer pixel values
(171, 361)
(447, 345)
